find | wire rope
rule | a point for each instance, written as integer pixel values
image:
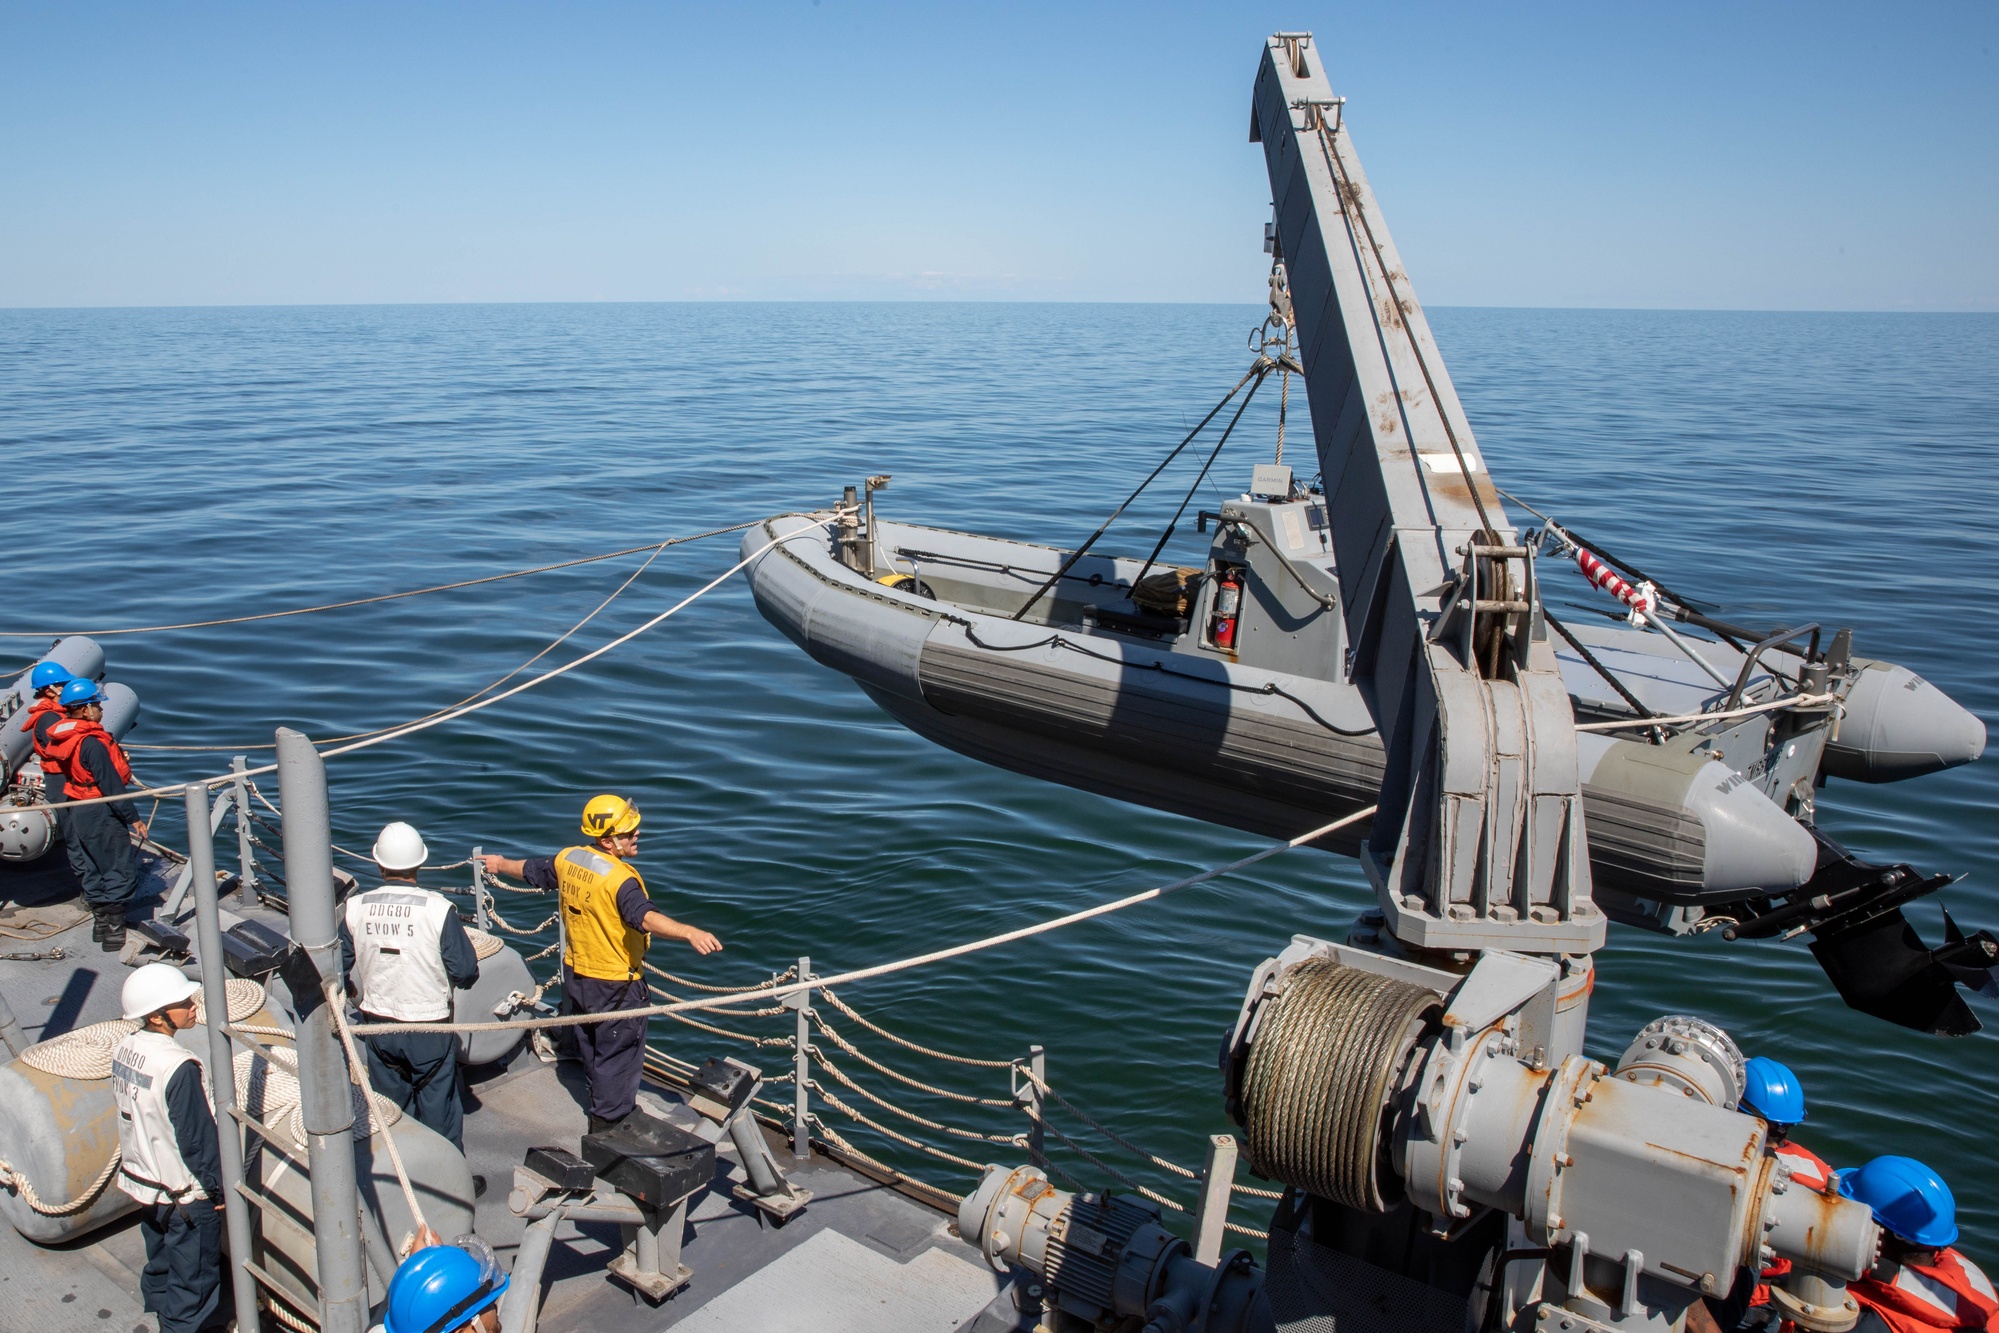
(553, 644)
(425, 724)
(902, 964)
(367, 601)
(1083, 550)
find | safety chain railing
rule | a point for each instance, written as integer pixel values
(821, 1085)
(831, 1103)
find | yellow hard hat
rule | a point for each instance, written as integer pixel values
(610, 816)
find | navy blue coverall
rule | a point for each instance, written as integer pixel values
(182, 1279)
(613, 1054)
(418, 1071)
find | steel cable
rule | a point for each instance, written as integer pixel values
(425, 724)
(826, 1030)
(1319, 1074)
(904, 1042)
(383, 597)
(901, 964)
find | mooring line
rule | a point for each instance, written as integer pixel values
(367, 601)
(425, 724)
(881, 969)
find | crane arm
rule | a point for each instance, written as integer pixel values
(1478, 841)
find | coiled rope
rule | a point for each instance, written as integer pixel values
(84, 1053)
(1319, 1077)
(272, 1072)
(484, 946)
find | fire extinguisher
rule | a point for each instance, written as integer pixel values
(1228, 601)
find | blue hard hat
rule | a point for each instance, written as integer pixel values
(1907, 1197)
(441, 1288)
(1772, 1091)
(80, 691)
(46, 674)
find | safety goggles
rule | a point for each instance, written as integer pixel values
(491, 1280)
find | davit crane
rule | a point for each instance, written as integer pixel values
(1452, 1159)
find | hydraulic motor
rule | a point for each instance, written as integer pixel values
(1106, 1257)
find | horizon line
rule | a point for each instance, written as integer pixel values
(980, 301)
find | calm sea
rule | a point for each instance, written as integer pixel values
(183, 465)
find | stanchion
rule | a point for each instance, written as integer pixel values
(221, 1052)
(326, 1094)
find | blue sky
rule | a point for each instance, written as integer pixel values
(1745, 156)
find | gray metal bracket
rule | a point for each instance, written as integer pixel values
(769, 1191)
(650, 1263)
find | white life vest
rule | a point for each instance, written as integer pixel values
(398, 966)
(152, 1171)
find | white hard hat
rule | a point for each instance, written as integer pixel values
(154, 987)
(400, 847)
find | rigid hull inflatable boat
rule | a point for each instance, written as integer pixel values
(1088, 690)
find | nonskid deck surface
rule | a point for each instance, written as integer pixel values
(861, 1258)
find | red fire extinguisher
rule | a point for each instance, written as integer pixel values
(1228, 601)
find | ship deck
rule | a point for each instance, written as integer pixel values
(863, 1255)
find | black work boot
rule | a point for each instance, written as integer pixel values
(598, 1124)
(97, 924)
(114, 929)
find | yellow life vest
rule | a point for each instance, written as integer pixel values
(601, 945)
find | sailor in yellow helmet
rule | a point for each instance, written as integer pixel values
(607, 922)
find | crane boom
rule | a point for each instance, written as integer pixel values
(1478, 841)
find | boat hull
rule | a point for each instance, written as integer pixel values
(1266, 752)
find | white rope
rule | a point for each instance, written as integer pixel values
(17, 1180)
(882, 969)
(358, 1071)
(425, 724)
(1788, 701)
(84, 1053)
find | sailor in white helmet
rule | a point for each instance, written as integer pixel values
(166, 1135)
(405, 950)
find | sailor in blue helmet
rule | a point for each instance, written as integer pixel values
(99, 836)
(1772, 1092)
(45, 684)
(1921, 1284)
(445, 1289)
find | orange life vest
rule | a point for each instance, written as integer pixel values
(1950, 1294)
(66, 741)
(41, 709)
